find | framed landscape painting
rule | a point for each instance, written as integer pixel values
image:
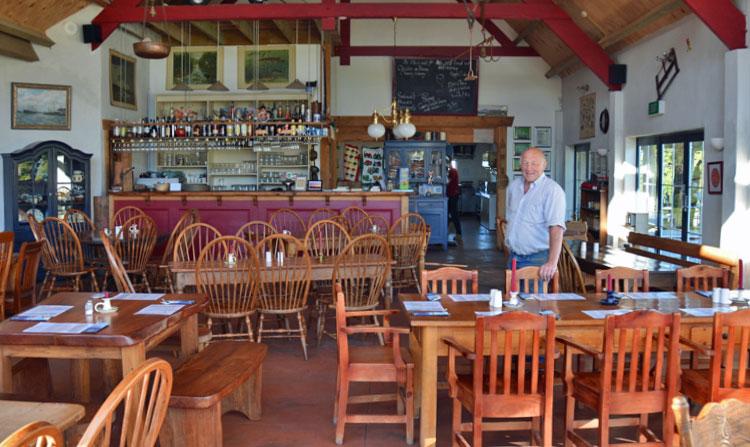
(122, 80)
(522, 133)
(276, 66)
(198, 67)
(40, 106)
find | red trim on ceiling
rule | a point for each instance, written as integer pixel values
(724, 19)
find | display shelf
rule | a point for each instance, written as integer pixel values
(595, 216)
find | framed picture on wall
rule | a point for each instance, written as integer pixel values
(40, 106)
(518, 148)
(543, 136)
(122, 80)
(522, 133)
(275, 65)
(715, 177)
(548, 159)
(587, 116)
(198, 67)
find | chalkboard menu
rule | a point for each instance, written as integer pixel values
(435, 87)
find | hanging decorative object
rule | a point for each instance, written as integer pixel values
(297, 84)
(471, 75)
(182, 86)
(147, 48)
(257, 85)
(218, 86)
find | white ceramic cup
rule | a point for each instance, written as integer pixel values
(716, 295)
(726, 297)
(231, 259)
(496, 298)
(596, 247)
(105, 305)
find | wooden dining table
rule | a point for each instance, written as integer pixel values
(427, 332)
(125, 340)
(15, 414)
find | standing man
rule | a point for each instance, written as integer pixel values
(453, 192)
(536, 216)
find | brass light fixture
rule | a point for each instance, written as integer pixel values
(147, 48)
(218, 86)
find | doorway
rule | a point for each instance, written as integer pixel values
(581, 173)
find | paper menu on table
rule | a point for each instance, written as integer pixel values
(707, 311)
(424, 306)
(555, 297)
(65, 328)
(602, 314)
(469, 297)
(138, 296)
(42, 312)
(651, 295)
(160, 309)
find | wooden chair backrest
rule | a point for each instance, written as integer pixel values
(624, 280)
(718, 424)
(701, 277)
(38, 232)
(576, 230)
(408, 223)
(502, 230)
(189, 217)
(122, 281)
(289, 220)
(326, 238)
(6, 256)
(352, 215)
(367, 224)
(143, 398)
(64, 247)
(27, 267)
(450, 280)
(123, 214)
(231, 290)
(35, 434)
(408, 239)
(79, 221)
(255, 231)
(321, 214)
(641, 355)
(521, 339)
(135, 248)
(571, 277)
(342, 338)
(190, 242)
(283, 286)
(362, 269)
(529, 281)
(729, 364)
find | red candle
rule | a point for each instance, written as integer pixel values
(513, 285)
(742, 276)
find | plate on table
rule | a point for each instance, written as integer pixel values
(37, 213)
(111, 310)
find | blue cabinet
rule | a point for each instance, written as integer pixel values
(428, 177)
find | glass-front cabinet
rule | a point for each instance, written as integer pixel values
(44, 179)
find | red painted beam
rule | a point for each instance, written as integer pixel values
(431, 51)
(106, 29)
(491, 28)
(346, 39)
(724, 19)
(329, 23)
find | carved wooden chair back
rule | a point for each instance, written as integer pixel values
(529, 281)
(122, 281)
(189, 217)
(255, 231)
(136, 242)
(701, 277)
(326, 238)
(571, 277)
(6, 258)
(123, 214)
(288, 220)
(407, 238)
(718, 424)
(352, 215)
(35, 434)
(284, 284)
(27, 267)
(38, 232)
(79, 221)
(141, 400)
(450, 280)
(361, 270)
(190, 242)
(576, 230)
(63, 244)
(624, 280)
(370, 225)
(321, 214)
(408, 223)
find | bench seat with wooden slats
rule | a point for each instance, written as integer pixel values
(225, 376)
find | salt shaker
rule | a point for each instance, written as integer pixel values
(89, 308)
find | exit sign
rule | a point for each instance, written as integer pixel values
(656, 108)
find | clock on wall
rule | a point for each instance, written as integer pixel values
(604, 121)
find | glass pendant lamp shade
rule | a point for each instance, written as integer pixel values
(376, 130)
(406, 130)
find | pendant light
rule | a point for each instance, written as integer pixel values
(218, 86)
(182, 86)
(146, 48)
(297, 84)
(257, 85)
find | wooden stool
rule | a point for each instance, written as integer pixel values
(225, 376)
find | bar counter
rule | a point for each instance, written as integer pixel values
(228, 210)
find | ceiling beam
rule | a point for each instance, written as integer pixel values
(17, 48)
(526, 32)
(24, 32)
(346, 39)
(612, 41)
(490, 26)
(286, 29)
(206, 28)
(170, 30)
(430, 51)
(245, 29)
(724, 19)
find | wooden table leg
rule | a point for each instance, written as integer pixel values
(179, 282)
(6, 373)
(80, 375)
(189, 337)
(428, 388)
(132, 357)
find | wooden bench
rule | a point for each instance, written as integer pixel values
(664, 249)
(225, 376)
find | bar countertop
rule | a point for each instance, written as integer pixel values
(262, 193)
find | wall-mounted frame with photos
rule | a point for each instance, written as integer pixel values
(522, 133)
(198, 67)
(518, 148)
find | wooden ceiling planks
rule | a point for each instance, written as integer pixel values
(40, 14)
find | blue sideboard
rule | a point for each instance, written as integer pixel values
(430, 201)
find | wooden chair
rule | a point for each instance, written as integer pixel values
(576, 230)
(624, 280)
(63, 254)
(450, 280)
(321, 214)
(495, 389)
(190, 242)
(79, 221)
(529, 281)
(701, 277)
(162, 277)
(6, 258)
(352, 215)
(718, 424)
(283, 287)
(123, 214)
(288, 220)
(727, 376)
(408, 240)
(372, 364)
(139, 403)
(502, 230)
(638, 376)
(135, 244)
(35, 434)
(122, 280)
(231, 289)
(326, 238)
(24, 278)
(366, 225)
(571, 276)
(255, 231)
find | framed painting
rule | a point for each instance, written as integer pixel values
(543, 136)
(548, 160)
(276, 65)
(516, 163)
(122, 81)
(198, 67)
(522, 133)
(40, 106)
(518, 148)
(587, 116)
(715, 177)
